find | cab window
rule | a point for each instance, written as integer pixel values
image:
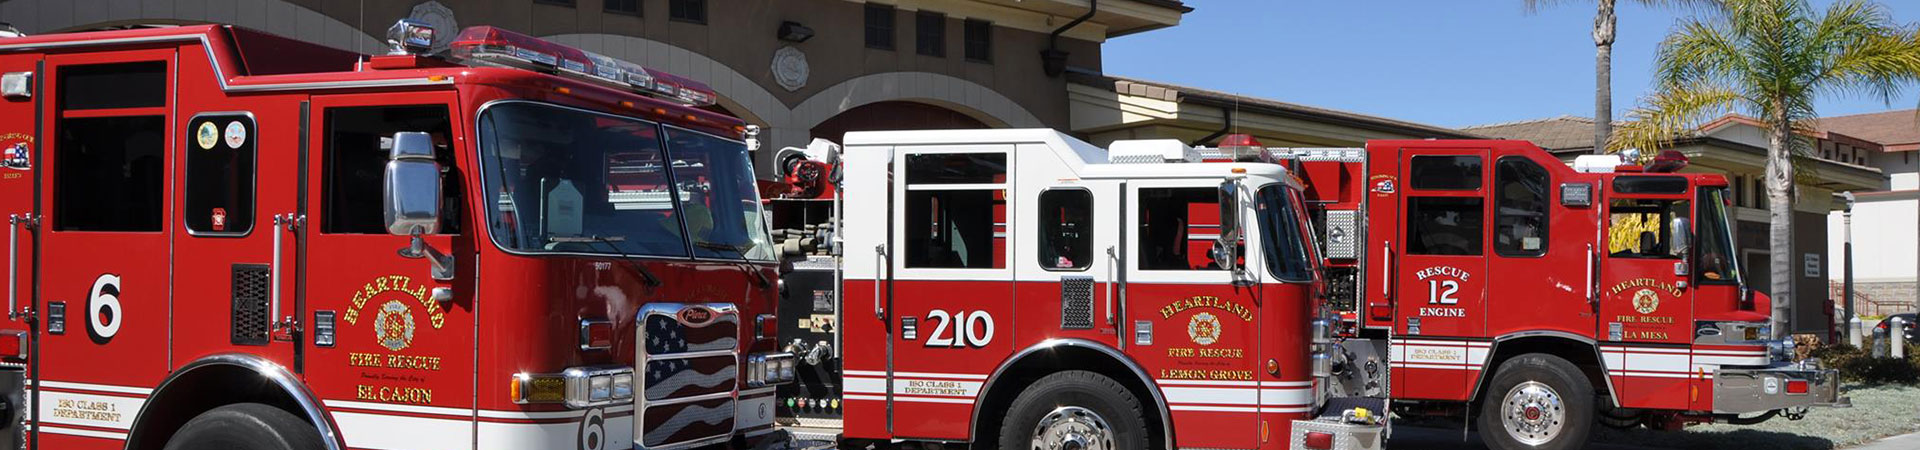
(956, 210)
(1520, 208)
(1643, 228)
(1177, 228)
(110, 162)
(355, 163)
(220, 168)
(1066, 229)
(1444, 226)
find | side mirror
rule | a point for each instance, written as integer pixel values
(1682, 235)
(411, 189)
(1227, 247)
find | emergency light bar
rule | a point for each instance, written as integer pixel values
(491, 46)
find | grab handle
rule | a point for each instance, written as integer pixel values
(879, 263)
(14, 222)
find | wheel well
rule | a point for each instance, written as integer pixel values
(1031, 368)
(200, 389)
(1582, 354)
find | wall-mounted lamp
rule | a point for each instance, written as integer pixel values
(794, 32)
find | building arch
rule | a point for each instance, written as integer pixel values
(967, 97)
(273, 16)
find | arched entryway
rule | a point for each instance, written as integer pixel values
(893, 115)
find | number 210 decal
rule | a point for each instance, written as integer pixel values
(970, 329)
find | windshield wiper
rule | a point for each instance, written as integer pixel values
(652, 281)
(757, 276)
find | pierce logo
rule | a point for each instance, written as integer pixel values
(695, 316)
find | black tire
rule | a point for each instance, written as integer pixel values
(1575, 416)
(1105, 399)
(246, 426)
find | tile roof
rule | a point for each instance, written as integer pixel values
(1898, 130)
(1555, 134)
(1178, 93)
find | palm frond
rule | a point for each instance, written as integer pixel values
(1673, 112)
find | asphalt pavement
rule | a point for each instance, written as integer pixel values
(1418, 438)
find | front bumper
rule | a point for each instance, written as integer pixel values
(1761, 389)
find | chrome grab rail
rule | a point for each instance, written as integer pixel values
(1113, 264)
(879, 260)
(14, 222)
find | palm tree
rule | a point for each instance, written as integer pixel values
(1770, 59)
(1603, 32)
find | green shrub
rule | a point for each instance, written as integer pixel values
(1860, 366)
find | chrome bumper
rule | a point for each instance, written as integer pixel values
(1761, 389)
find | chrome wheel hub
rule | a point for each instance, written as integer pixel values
(1072, 428)
(1533, 413)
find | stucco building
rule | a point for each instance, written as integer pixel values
(1886, 225)
(1736, 146)
(797, 68)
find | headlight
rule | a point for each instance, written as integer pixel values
(577, 387)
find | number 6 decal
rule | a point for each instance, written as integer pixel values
(970, 329)
(103, 309)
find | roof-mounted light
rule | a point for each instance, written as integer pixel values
(409, 37)
(1668, 161)
(1244, 148)
(491, 46)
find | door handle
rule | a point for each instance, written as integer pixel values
(282, 224)
(1386, 271)
(1593, 262)
(14, 223)
(1113, 262)
(879, 263)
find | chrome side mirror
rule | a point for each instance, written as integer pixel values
(1227, 247)
(410, 192)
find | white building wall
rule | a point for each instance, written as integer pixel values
(1884, 237)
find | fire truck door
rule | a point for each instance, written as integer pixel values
(1645, 302)
(17, 153)
(1439, 270)
(953, 289)
(1200, 339)
(392, 341)
(1067, 263)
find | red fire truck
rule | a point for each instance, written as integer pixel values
(1024, 289)
(222, 238)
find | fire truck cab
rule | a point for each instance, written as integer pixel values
(1024, 289)
(1488, 281)
(220, 237)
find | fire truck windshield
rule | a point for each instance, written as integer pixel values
(1280, 212)
(1717, 264)
(576, 181)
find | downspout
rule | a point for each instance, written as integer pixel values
(1053, 61)
(1226, 125)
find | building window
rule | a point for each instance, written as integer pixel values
(978, 35)
(694, 11)
(879, 26)
(1739, 190)
(1066, 229)
(629, 7)
(930, 32)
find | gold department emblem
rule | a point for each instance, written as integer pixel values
(393, 327)
(1646, 301)
(1204, 328)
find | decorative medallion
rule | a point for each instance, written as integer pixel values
(1204, 328)
(790, 68)
(1646, 301)
(440, 17)
(393, 327)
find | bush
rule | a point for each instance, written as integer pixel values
(1860, 366)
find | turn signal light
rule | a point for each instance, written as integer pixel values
(1319, 441)
(13, 345)
(596, 334)
(1380, 312)
(1796, 387)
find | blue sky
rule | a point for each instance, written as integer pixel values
(1442, 62)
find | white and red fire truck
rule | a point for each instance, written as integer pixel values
(1023, 289)
(222, 238)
